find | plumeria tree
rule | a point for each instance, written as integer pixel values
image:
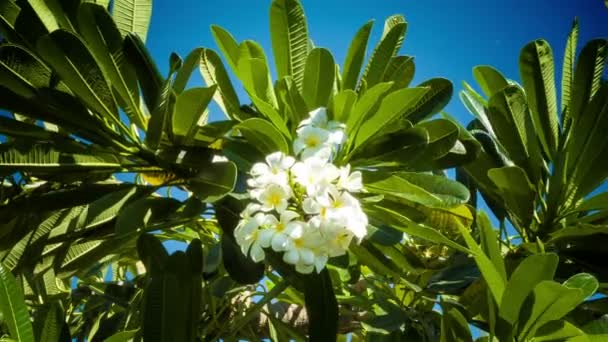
(318, 209)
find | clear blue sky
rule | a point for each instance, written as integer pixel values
(446, 37)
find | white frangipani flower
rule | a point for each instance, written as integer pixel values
(350, 181)
(315, 175)
(274, 197)
(318, 118)
(303, 208)
(247, 236)
(312, 142)
(278, 232)
(274, 171)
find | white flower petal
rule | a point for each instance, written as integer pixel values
(265, 237)
(304, 269)
(307, 256)
(257, 253)
(279, 242)
(291, 256)
(320, 262)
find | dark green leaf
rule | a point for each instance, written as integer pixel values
(14, 310)
(321, 307)
(214, 181)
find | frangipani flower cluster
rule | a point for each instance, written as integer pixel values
(302, 206)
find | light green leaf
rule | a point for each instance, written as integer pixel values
(454, 326)
(182, 76)
(317, 85)
(538, 76)
(549, 301)
(584, 281)
(587, 75)
(261, 134)
(228, 46)
(391, 108)
(557, 331)
(191, 112)
(490, 80)
(490, 273)
(289, 36)
(342, 104)
(516, 191)
(384, 51)
(489, 244)
(214, 73)
(568, 70)
(530, 272)
(14, 310)
(133, 16)
(400, 71)
(366, 106)
(355, 56)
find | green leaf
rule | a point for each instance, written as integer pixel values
(318, 81)
(355, 56)
(152, 253)
(228, 46)
(289, 36)
(73, 62)
(538, 76)
(252, 70)
(240, 268)
(122, 336)
(530, 272)
(391, 108)
(366, 106)
(214, 181)
(140, 213)
(568, 70)
(150, 79)
(490, 245)
(516, 191)
(584, 281)
(555, 331)
(454, 326)
(14, 310)
(400, 71)
(511, 121)
(191, 112)
(490, 80)
(133, 16)
(182, 76)
(21, 71)
(104, 40)
(53, 326)
(342, 104)
(214, 73)
(549, 301)
(291, 103)
(162, 112)
(321, 307)
(261, 134)
(434, 100)
(44, 158)
(387, 48)
(491, 275)
(587, 75)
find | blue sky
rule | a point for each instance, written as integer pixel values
(447, 38)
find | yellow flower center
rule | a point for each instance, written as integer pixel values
(299, 243)
(312, 141)
(275, 198)
(280, 227)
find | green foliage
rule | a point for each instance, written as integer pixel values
(69, 73)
